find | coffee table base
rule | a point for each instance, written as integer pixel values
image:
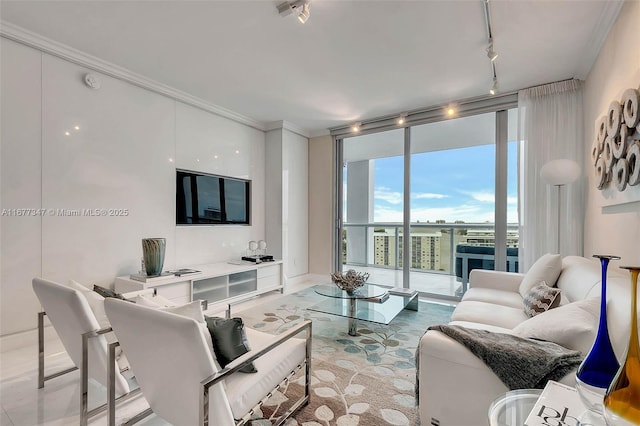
(353, 322)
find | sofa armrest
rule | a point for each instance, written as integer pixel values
(451, 377)
(498, 280)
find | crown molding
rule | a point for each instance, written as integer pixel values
(52, 47)
(286, 125)
(598, 36)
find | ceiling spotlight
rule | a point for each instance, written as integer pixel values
(494, 88)
(402, 119)
(490, 52)
(304, 13)
(301, 7)
(356, 127)
(451, 111)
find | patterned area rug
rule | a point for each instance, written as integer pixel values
(366, 379)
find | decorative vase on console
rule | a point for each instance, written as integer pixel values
(153, 254)
(622, 401)
(600, 366)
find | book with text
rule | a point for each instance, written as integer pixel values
(560, 405)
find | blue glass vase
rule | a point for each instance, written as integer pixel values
(600, 366)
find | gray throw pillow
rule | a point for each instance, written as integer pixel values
(229, 341)
(540, 299)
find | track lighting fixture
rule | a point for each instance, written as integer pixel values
(304, 13)
(300, 7)
(494, 88)
(490, 52)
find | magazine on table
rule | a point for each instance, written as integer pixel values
(401, 291)
(560, 405)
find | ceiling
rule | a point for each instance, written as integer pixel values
(352, 60)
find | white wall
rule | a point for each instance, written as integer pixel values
(612, 230)
(295, 210)
(123, 157)
(20, 185)
(321, 183)
(287, 201)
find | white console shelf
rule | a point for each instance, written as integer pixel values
(215, 282)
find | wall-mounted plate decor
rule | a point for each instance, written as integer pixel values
(615, 153)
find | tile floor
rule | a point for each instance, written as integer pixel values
(22, 404)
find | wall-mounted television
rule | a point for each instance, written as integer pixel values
(204, 199)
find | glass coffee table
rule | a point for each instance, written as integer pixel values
(366, 303)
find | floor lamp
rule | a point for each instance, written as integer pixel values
(560, 173)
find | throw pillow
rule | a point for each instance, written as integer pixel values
(546, 269)
(573, 325)
(229, 341)
(96, 303)
(107, 292)
(540, 299)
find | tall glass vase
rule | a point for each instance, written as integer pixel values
(600, 366)
(153, 254)
(622, 401)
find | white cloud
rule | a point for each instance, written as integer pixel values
(385, 194)
(483, 197)
(428, 195)
(512, 200)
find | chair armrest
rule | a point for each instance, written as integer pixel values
(252, 355)
(218, 308)
(132, 294)
(498, 280)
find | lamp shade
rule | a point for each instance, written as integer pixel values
(560, 172)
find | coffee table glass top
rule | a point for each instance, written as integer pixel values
(339, 303)
(363, 292)
(512, 408)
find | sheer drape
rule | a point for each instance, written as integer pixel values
(550, 127)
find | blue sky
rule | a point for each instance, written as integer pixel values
(456, 184)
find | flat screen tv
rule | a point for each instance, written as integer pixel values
(204, 199)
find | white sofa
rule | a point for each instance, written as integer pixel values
(456, 388)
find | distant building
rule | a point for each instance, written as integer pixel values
(425, 250)
(431, 250)
(487, 237)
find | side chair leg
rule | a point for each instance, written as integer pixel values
(84, 382)
(41, 350)
(111, 384)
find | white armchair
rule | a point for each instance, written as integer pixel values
(83, 339)
(177, 372)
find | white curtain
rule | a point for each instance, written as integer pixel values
(550, 126)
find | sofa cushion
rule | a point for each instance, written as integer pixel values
(540, 299)
(489, 313)
(244, 391)
(573, 326)
(546, 269)
(491, 295)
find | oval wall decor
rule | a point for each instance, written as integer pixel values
(616, 148)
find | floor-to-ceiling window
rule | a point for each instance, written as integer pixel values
(449, 185)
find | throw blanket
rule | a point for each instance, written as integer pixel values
(519, 363)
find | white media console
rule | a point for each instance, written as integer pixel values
(215, 282)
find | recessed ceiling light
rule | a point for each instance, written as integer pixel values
(402, 119)
(67, 133)
(451, 111)
(356, 127)
(77, 127)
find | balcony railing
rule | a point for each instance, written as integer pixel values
(379, 245)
